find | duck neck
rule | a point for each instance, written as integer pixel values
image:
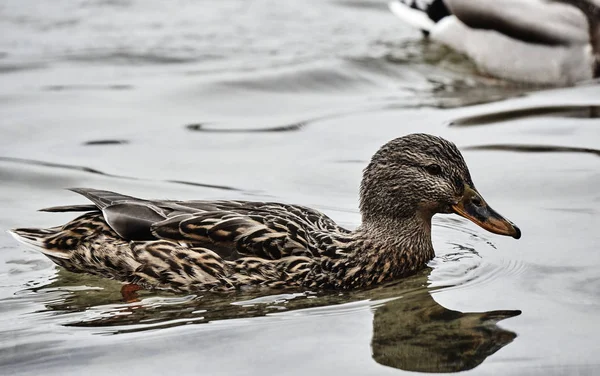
(388, 249)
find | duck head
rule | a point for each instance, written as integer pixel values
(414, 177)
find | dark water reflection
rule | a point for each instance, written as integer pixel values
(535, 149)
(558, 111)
(417, 334)
(411, 331)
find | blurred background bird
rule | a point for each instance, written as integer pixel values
(533, 41)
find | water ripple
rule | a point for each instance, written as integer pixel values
(458, 264)
(89, 87)
(105, 142)
(98, 172)
(571, 111)
(205, 127)
(131, 57)
(534, 148)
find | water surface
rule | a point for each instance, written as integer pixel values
(287, 101)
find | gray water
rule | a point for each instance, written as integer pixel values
(286, 101)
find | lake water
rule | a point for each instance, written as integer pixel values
(286, 101)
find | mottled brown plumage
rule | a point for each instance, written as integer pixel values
(226, 245)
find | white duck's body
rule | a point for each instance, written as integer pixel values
(533, 41)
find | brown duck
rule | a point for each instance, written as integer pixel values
(227, 245)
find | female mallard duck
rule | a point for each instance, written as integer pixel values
(536, 41)
(223, 245)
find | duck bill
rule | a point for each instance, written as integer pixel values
(474, 208)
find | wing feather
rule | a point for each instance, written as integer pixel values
(232, 229)
(237, 229)
(102, 198)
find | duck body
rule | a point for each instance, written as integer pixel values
(216, 245)
(231, 245)
(532, 41)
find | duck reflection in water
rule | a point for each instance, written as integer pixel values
(411, 331)
(415, 333)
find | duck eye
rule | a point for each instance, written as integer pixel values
(434, 169)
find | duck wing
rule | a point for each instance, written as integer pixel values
(297, 213)
(232, 229)
(128, 216)
(236, 229)
(534, 21)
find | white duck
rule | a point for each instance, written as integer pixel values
(535, 41)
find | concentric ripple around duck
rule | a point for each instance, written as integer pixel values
(459, 261)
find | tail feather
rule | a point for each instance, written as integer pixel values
(70, 208)
(101, 198)
(422, 14)
(36, 239)
(413, 17)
